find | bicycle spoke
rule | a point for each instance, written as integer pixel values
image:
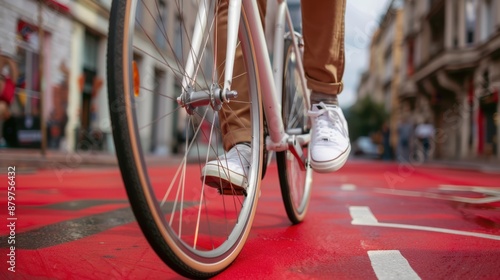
(171, 51)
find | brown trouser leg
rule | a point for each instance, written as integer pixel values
(235, 116)
(323, 25)
(324, 54)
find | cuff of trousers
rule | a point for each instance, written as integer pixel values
(236, 136)
(328, 88)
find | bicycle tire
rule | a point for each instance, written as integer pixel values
(188, 250)
(295, 183)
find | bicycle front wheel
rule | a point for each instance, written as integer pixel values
(154, 55)
(295, 182)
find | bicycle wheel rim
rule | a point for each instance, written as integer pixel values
(295, 183)
(185, 256)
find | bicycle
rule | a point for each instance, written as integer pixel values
(197, 230)
(422, 150)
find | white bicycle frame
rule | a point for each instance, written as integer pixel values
(271, 79)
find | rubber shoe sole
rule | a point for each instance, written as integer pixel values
(331, 165)
(225, 181)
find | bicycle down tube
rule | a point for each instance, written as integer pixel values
(272, 107)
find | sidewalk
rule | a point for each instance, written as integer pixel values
(482, 165)
(33, 159)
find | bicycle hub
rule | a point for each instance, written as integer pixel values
(215, 97)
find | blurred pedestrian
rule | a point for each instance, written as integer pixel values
(9, 126)
(386, 142)
(405, 132)
(424, 133)
(8, 77)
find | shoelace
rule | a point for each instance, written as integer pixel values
(327, 120)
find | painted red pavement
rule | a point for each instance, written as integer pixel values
(326, 246)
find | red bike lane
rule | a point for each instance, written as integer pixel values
(369, 220)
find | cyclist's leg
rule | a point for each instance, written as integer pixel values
(324, 60)
(228, 172)
(235, 116)
(426, 147)
(324, 56)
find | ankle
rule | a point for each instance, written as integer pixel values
(248, 144)
(330, 99)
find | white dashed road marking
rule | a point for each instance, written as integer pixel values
(391, 265)
(492, 195)
(348, 187)
(363, 216)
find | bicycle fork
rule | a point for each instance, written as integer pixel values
(278, 140)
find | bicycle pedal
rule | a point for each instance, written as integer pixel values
(232, 191)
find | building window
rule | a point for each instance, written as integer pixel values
(470, 20)
(179, 27)
(456, 23)
(28, 83)
(411, 15)
(87, 138)
(411, 58)
(388, 100)
(161, 26)
(487, 24)
(389, 69)
(157, 113)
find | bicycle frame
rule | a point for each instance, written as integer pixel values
(198, 215)
(270, 78)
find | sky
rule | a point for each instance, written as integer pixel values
(362, 19)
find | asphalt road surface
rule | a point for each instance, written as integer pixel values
(371, 220)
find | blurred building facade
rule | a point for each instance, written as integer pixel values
(449, 74)
(68, 68)
(22, 42)
(381, 81)
(74, 49)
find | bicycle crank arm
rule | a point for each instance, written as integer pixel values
(293, 143)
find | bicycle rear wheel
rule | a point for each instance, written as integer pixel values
(295, 182)
(193, 229)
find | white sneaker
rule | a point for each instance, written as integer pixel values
(229, 172)
(330, 145)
